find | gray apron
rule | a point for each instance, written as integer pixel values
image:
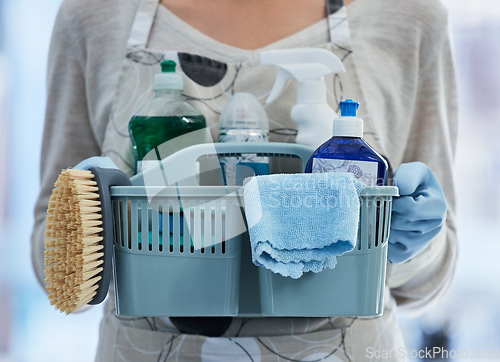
(209, 84)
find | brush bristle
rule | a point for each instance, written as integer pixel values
(73, 250)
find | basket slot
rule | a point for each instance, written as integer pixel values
(132, 224)
(165, 227)
(207, 233)
(388, 210)
(117, 223)
(144, 226)
(188, 228)
(384, 220)
(195, 227)
(175, 240)
(212, 222)
(364, 242)
(218, 225)
(126, 225)
(166, 240)
(155, 243)
(224, 226)
(379, 228)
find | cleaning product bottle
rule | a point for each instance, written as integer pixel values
(243, 120)
(347, 151)
(165, 117)
(311, 114)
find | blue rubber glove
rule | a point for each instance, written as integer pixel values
(418, 214)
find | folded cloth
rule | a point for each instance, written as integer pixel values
(301, 222)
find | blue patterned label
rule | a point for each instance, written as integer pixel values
(364, 171)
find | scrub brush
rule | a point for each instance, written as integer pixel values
(79, 237)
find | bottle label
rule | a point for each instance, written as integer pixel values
(237, 168)
(364, 171)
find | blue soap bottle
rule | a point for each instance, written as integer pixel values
(347, 151)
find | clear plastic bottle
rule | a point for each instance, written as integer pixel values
(347, 151)
(243, 120)
(165, 117)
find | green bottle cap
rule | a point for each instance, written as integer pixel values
(168, 66)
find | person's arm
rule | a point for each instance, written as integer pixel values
(428, 275)
(68, 136)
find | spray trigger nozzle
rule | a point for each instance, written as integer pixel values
(303, 64)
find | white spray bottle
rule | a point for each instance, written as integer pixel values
(311, 114)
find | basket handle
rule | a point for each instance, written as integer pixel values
(180, 168)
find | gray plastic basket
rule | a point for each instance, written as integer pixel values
(196, 258)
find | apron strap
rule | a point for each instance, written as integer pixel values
(338, 25)
(333, 5)
(143, 23)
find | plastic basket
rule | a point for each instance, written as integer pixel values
(195, 260)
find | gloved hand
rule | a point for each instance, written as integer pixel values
(96, 161)
(418, 214)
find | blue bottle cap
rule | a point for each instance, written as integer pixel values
(348, 108)
(348, 125)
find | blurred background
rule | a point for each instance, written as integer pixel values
(468, 319)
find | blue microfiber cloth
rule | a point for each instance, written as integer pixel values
(301, 222)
